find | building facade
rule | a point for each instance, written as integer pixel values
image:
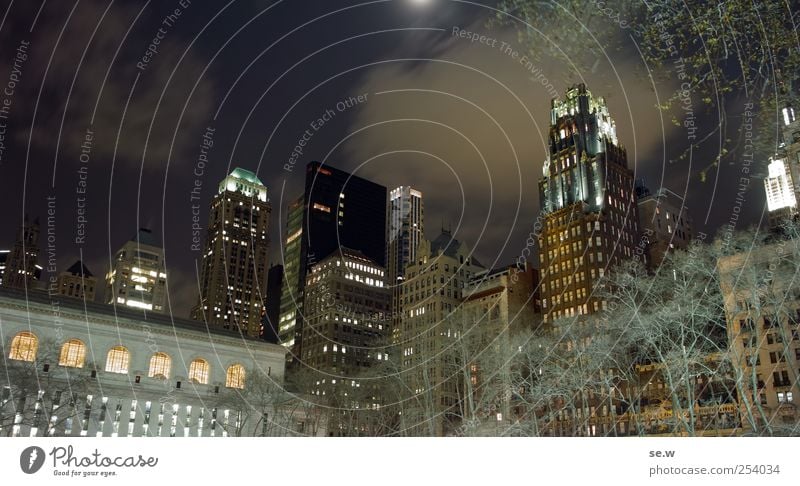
(782, 183)
(336, 209)
(432, 292)
(138, 277)
(762, 310)
(77, 282)
(347, 309)
(233, 275)
(664, 223)
(21, 262)
(498, 305)
(506, 299)
(406, 232)
(3, 260)
(779, 188)
(129, 373)
(588, 204)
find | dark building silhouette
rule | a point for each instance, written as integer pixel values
(336, 209)
(272, 306)
(21, 262)
(664, 223)
(78, 282)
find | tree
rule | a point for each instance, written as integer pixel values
(763, 305)
(266, 408)
(716, 53)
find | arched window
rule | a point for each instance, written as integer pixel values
(235, 376)
(198, 371)
(73, 353)
(24, 346)
(160, 365)
(118, 360)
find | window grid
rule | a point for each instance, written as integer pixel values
(118, 360)
(24, 347)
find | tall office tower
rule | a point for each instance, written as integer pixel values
(77, 281)
(336, 209)
(272, 306)
(234, 273)
(588, 203)
(21, 263)
(345, 329)
(406, 217)
(431, 293)
(138, 277)
(664, 223)
(782, 184)
(779, 186)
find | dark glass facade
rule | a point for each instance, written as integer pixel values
(336, 209)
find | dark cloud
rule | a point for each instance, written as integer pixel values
(485, 113)
(90, 72)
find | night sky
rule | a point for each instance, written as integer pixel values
(464, 122)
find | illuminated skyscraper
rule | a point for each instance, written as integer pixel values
(781, 198)
(138, 277)
(782, 183)
(406, 230)
(344, 331)
(234, 272)
(336, 210)
(588, 202)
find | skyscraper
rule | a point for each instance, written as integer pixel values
(234, 271)
(138, 277)
(336, 209)
(344, 331)
(779, 188)
(406, 231)
(20, 266)
(588, 205)
(782, 183)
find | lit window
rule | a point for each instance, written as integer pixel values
(160, 366)
(321, 207)
(24, 346)
(235, 376)
(118, 360)
(73, 354)
(198, 371)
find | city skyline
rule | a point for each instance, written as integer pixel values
(115, 208)
(399, 218)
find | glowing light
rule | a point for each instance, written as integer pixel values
(779, 187)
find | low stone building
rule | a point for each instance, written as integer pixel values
(87, 369)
